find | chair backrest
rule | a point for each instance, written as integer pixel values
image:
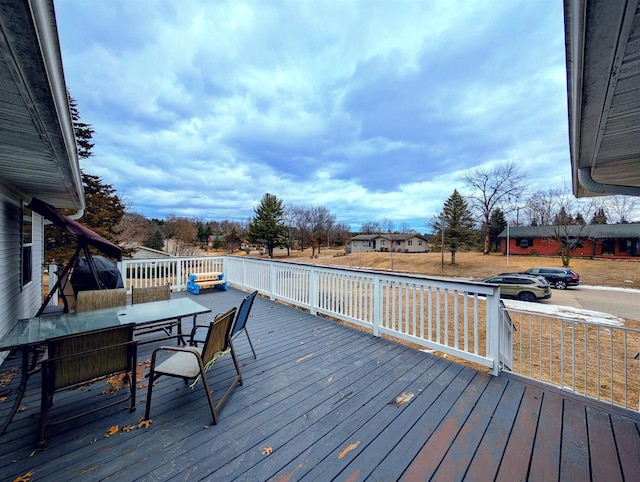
(218, 335)
(99, 299)
(81, 357)
(151, 293)
(243, 313)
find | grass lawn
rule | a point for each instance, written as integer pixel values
(598, 272)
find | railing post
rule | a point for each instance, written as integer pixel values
(272, 281)
(53, 278)
(179, 276)
(377, 305)
(493, 331)
(313, 291)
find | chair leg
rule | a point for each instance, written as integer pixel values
(250, 344)
(205, 385)
(45, 401)
(152, 378)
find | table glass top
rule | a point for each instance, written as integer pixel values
(32, 331)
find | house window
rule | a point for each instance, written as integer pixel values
(419, 242)
(410, 242)
(525, 242)
(383, 242)
(27, 247)
(608, 246)
(398, 243)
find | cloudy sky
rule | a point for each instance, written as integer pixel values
(369, 108)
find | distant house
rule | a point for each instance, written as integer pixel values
(403, 243)
(144, 252)
(597, 240)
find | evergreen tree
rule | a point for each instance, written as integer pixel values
(497, 224)
(82, 131)
(155, 241)
(599, 217)
(579, 219)
(459, 223)
(267, 227)
(103, 208)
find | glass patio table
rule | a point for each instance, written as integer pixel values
(29, 333)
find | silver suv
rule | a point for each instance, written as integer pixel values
(557, 277)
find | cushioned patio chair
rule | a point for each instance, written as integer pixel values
(99, 299)
(74, 360)
(147, 295)
(192, 362)
(242, 315)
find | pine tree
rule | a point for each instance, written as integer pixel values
(267, 227)
(155, 241)
(497, 224)
(599, 217)
(458, 222)
(103, 208)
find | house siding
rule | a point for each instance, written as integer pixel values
(15, 301)
(550, 247)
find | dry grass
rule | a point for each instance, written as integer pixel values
(600, 272)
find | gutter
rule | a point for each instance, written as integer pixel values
(43, 15)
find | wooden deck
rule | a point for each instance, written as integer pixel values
(320, 402)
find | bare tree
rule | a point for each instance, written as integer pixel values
(181, 234)
(620, 208)
(134, 228)
(558, 208)
(491, 188)
(371, 227)
(387, 225)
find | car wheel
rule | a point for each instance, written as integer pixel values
(527, 296)
(561, 285)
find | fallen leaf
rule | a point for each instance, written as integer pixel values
(114, 429)
(2, 399)
(304, 357)
(267, 451)
(144, 423)
(22, 408)
(348, 449)
(33, 452)
(25, 477)
(7, 376)
(128, 428)
(404, 398)
(329, 380)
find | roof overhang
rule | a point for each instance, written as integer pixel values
(37, 145)
(602, 39)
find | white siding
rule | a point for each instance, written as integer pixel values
(15, 301)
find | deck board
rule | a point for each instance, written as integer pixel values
(321, 395)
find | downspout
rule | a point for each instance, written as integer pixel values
(585, 179)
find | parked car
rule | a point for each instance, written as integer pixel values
(521, 286)
(557, 277)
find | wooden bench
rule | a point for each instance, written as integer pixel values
(199, 281)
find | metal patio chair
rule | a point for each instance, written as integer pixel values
(192, 362)
(242, 315)
(73, 360)
(98, 299)
(147, 295)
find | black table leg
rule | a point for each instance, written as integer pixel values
(24, 378)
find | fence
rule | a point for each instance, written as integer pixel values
(597, 360)
(459, 318)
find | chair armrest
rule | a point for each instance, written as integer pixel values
(192, 336)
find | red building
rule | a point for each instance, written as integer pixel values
(588, 241)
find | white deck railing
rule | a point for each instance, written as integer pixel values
(461, 319)
(597, 360)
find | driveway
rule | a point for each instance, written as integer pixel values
(620, 302)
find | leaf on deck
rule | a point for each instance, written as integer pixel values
(2, 399)
(25, 477)
(6, 377)
(267, 451)
(144, 423)
(129, 428)
(404, 398)
(114, 429)
(348, 449)
(304, 357)
(329, 380)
